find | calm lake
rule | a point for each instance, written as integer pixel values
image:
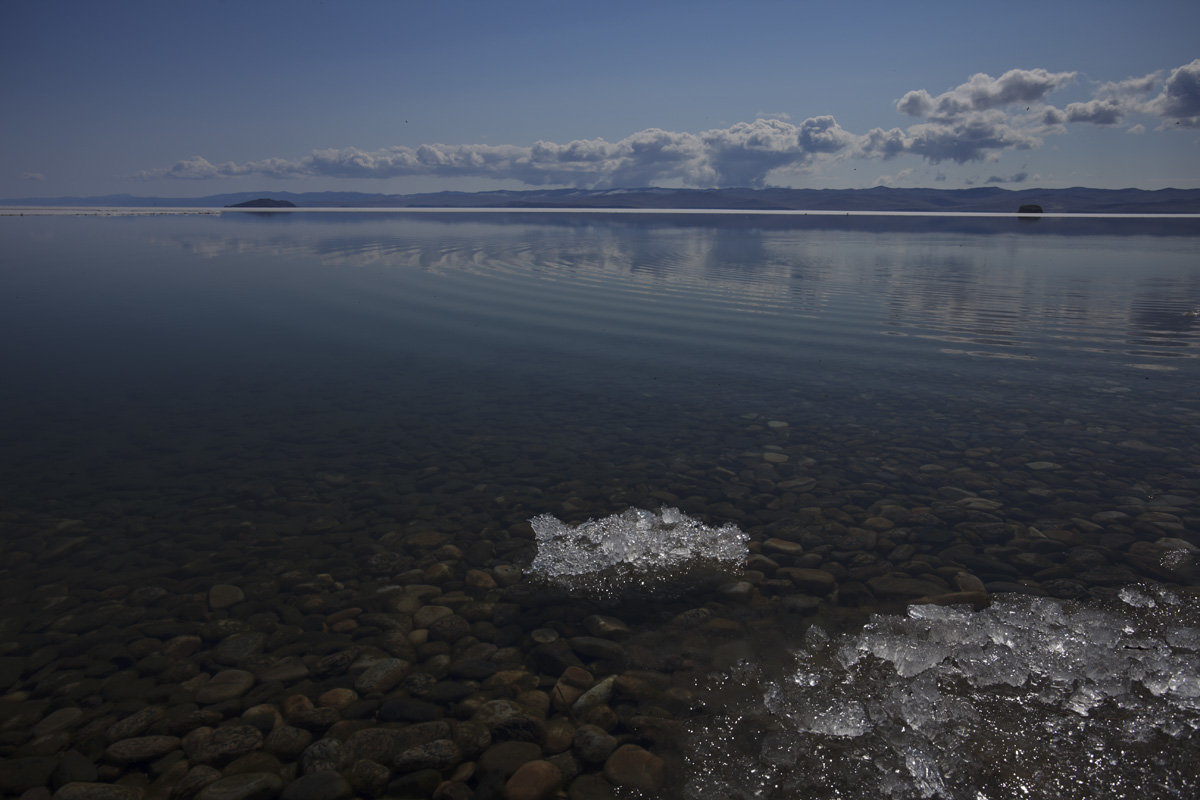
(271, 477)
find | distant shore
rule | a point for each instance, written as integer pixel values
(979, 200)
(121, 211)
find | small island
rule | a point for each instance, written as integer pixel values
(1028, 210)
(263, 202)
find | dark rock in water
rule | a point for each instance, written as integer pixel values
(1029, 208)
(263, 202)
(96, 791)
(415, 784)
(507, 757)
(239, 648)
(73, 767)
(440, 754)
(225, 685)
(633, 766)
(405, 709)
(141, 748)
(20, 774)
(326, 785)
(248, 786)
(535, 780)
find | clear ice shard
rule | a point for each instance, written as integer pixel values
(1031, 697)
(634, 552)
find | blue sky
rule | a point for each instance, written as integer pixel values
(196, 98)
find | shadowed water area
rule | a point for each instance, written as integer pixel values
(267, 484)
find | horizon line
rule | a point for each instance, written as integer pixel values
(83, 210)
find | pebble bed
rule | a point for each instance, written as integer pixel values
(325, 599)
(333, 635)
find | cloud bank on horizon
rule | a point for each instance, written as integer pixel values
(975, 121)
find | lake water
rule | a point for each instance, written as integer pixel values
(345, 423)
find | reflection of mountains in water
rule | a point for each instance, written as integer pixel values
(1183, 226)
(997, 296)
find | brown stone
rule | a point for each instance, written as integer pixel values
(634, 766)
(225, 685)
(535, 780)
(783, 546)
(809, 581)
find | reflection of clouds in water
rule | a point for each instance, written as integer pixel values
(728, 265)
(1002, 297)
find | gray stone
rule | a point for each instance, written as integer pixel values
(382, 676)
(382, 745)
(593, 744)
(323, 755)
(440, 754)
(598, 695)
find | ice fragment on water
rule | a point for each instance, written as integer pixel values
(1032, 697)
(1135, 598)
(636, 551)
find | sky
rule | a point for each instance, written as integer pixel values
(186, 99)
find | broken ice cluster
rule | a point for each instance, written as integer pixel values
(1032, 697)
(634, 552)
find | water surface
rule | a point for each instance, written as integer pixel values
(261, 400)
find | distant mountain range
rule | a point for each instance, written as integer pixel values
(1075, 200)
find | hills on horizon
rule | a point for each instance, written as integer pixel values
(1079, 200)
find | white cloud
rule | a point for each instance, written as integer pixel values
(1137, 129)
(1099, 112)
(1130, 88)
(983, 92)
(892, 180)
(1019, 177)
(1180, 97)
(978, 136)
(33, 176)
(740, 155)
(972, 122)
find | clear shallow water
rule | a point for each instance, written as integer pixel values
(198, 400)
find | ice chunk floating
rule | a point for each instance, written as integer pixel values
(634, 552)
(1032, 697)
